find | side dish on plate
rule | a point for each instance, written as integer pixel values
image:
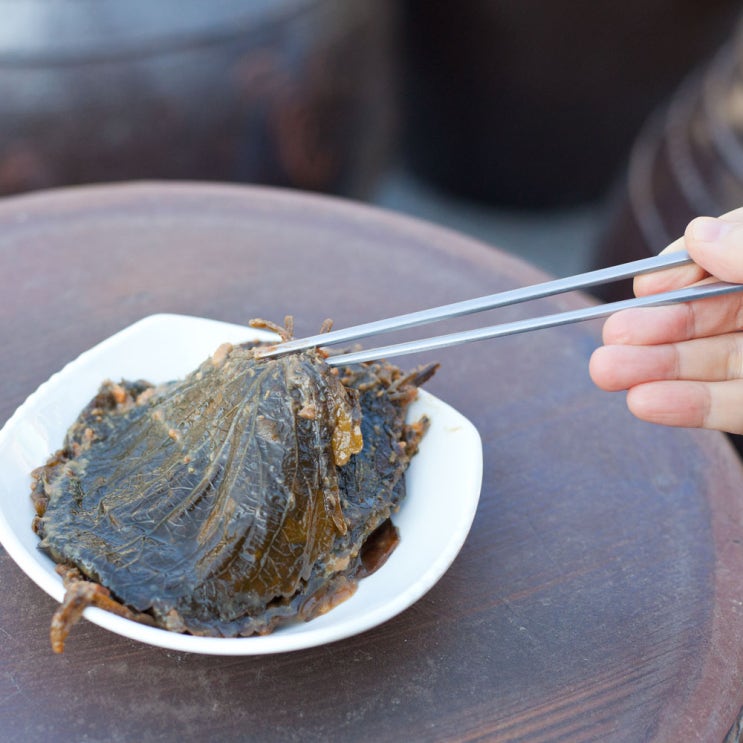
(249, 494)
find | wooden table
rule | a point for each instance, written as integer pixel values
(598, 597)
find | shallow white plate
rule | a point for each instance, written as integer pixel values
(443, 484)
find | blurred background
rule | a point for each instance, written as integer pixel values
(574, 133)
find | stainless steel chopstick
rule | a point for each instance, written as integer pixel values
(489, 302)
(689, 293)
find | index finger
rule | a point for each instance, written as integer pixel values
(676, 278)
(669, 278)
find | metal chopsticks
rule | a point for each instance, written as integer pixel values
(522, 326)
(513, 296)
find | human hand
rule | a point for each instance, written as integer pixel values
(682, 365)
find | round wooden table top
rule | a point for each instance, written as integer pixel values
(598, 596)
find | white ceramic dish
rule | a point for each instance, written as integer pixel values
(443, 484)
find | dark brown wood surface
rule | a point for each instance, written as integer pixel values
(598, 596)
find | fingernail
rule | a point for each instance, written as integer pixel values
(709, 229)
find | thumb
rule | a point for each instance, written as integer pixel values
(717, 246)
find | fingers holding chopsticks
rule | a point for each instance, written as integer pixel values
(714, 244)
(682, 365)
(703, 318)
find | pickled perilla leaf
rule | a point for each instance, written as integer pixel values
(238, 498)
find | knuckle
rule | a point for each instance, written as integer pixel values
(734, 354)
